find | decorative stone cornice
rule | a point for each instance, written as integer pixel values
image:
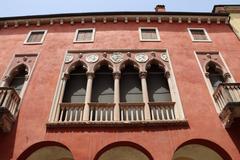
(149, 18)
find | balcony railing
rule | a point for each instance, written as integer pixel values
(162, 111)
(132, 111)
(9, 103)
(71, 112)
(101, 112)
(227, 98)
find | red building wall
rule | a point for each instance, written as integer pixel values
(85, 143)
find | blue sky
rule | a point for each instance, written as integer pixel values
(36, 7)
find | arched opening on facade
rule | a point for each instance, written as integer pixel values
(215, 74)
(158, 88)
(123, 151)
(103, 85)
(18, 78)
(75, 89)
(46, 151)
(198, 149)
(130, 84)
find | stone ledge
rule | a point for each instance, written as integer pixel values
(118, 124)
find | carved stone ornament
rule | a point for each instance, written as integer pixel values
(68, 58)
(91, 58)
(141, 57)
(164, 57)
(116, 57)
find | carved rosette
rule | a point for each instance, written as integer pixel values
(92, 58)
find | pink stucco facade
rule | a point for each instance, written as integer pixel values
(84, 143)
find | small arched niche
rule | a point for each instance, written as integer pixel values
(215, 74)
(75, 88)
(196, 152)
(103, 85)
(157, 82)
(123, 153)
(18, 77)
(130, 84)
(51, 153)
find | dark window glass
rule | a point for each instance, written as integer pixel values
(131, 90)
(158, 89)
(84, 35)
(103, 85)
(149, 34)
(18, 79)
(215, 75)
(35, 36)
(198, 34)
(75, 89)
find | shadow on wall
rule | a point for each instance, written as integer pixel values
(234, 131)
(8, 142)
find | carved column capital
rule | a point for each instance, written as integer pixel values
(167, 74)
(90, 75)
(6, 78)
(207, 74)
(143, 75)
(26, 77)
(66, 76)
(226, 76)
(116, 75)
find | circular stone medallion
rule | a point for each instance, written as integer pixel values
(164, 57)
(141, 57)
(91, 58)
(116, 57)
(68, 58)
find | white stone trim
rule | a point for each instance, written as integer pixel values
(205, 32)
(32, 31)
(25, 85)
(207, 81)
(174, 92)
(58, 90)
(84, 29)
(148, 40)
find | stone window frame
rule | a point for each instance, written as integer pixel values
(205, 32)
(149, 40)
(14, 64)
(226, 72)
(92, 67)
(85, 41)
(32, 31)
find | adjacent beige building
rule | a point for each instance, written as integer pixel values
(234, 14)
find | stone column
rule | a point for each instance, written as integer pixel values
(60, 93)
(116, 96)
(143, 76)
(90, 77)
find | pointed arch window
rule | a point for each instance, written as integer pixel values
(130, 85)
(103, 85)
(215, 74)
(158, 88)
(18, 78)
(75, 89)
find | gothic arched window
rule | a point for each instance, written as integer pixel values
(18, 78)
(158, 88)
(103, 85)
(75, 89)
(215, 74)
(130, 85)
